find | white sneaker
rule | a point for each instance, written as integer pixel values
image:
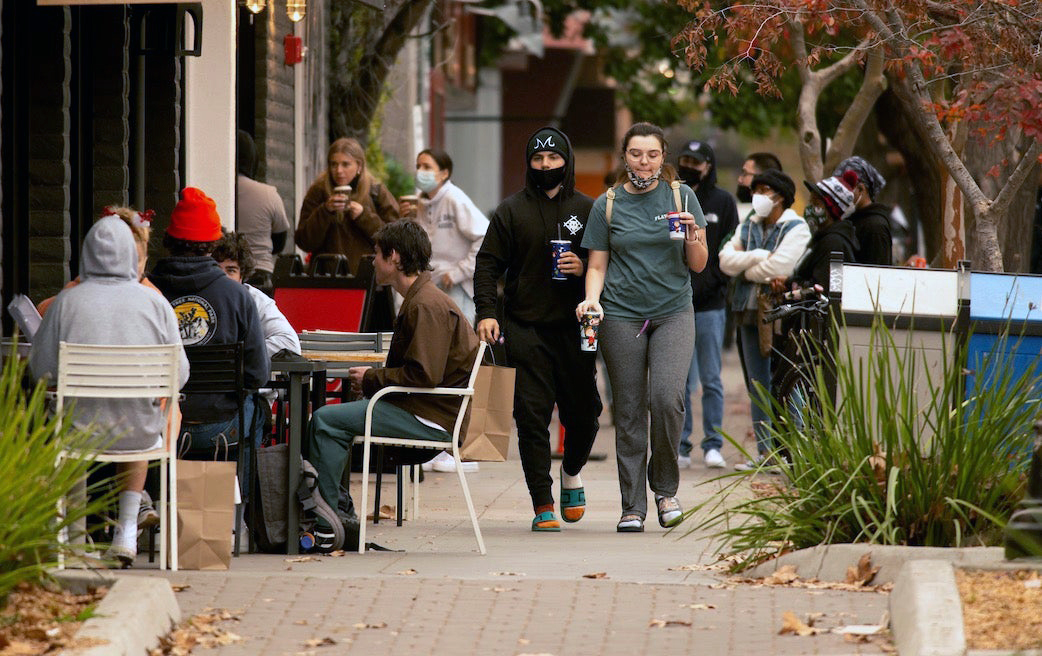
(714, 460)
(684, 462)
(445, 463)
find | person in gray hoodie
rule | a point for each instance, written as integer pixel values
(110, 306)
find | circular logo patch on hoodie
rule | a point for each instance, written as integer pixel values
(195, 319)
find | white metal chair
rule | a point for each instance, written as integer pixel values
(368, 439)
(127, 372)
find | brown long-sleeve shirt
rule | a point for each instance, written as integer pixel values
(320, 231)
(433, 346)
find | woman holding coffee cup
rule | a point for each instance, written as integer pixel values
(455, 225)
(638, 282)
(345, 206)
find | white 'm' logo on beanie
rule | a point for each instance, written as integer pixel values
(543, 145)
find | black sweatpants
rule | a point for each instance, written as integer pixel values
(550, 368)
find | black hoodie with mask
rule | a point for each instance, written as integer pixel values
(517, 244)
(709, 287)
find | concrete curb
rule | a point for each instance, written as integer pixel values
(135, 613)
(830, 562)
(925, 610)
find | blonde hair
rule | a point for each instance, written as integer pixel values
(142, 233)
(354, 150)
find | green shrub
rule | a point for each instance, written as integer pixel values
(891, 460)
(32, 484)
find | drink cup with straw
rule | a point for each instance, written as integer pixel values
(557, 248)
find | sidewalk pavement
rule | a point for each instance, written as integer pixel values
(528, 595)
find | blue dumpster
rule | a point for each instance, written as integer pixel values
(1004, 304)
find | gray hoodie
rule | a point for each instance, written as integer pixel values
(110, 306)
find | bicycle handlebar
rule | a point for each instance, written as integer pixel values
(810, 306)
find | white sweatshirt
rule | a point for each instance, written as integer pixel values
(456, 227)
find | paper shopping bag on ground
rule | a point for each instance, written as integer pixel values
(205, 513)
(491, 415)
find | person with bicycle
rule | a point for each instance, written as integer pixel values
(765, 247)
(832, 201)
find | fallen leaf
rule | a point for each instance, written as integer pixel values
(386, 512)
(523, 641)
(320, 642)
(699, 606)
(301, 622)
(793, 624)
(179, 587)
(856, 638)
(406, 572)
(697, 568)
(781, 576)
(660, 624)
(596, 575)
(339, 553)
(863, 572)
(371, 625)
(302, 559)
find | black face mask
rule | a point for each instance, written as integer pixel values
(745, 194)
(691, 177)
(547, 179)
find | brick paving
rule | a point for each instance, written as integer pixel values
(528, 594)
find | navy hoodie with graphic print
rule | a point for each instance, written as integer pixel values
(212, 308)
(517, 244)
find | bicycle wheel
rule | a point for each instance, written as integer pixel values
(798, 398)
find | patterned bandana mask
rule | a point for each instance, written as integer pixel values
(641, 183)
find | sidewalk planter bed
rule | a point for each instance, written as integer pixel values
(895, 460)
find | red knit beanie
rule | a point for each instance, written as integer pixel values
(195, 217)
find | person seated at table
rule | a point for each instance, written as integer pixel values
(109, 306)
(140, 226)
(234, 257)
(211, 310)
(433, 346)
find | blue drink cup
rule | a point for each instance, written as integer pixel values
(557, 247)
(676, 228)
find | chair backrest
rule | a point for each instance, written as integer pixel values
(216, 369)
(326, 302)
(104, 371)
(337, 341)
(478, 357)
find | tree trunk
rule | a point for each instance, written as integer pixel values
(364, 44)
(953, 227)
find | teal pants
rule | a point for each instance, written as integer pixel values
(334, 427)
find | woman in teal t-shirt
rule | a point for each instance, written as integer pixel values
(637, 280)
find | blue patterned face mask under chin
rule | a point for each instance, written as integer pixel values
(814, 216)
(642, 183)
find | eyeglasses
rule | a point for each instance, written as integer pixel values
(652, 155)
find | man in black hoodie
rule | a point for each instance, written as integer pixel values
(871, 220)
(211, 308)
(697, 167)
(539, 328)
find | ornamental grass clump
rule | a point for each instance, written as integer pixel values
(902, 454)
(34, 479)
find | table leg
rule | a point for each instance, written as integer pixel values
(296, 422)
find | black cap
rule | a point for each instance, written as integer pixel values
(779, 182)
(697, 149)
(547, 139)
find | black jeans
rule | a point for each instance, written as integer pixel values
(550, 368)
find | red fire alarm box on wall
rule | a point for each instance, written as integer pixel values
(294, 48)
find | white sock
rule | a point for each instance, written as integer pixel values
(570, 482)
(129, 505)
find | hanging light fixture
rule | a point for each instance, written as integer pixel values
(295, 9)
(255, 6)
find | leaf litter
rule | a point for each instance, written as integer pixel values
(37, 619)
(201, 630)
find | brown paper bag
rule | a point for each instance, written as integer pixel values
(491, 416)
(205, 513)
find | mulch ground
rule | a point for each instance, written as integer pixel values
(35, 619)
(1001, 609)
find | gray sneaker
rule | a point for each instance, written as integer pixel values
(147, 517)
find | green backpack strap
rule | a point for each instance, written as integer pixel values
(609, 200)
(676, 195)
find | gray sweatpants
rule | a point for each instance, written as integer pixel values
(648, 373)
